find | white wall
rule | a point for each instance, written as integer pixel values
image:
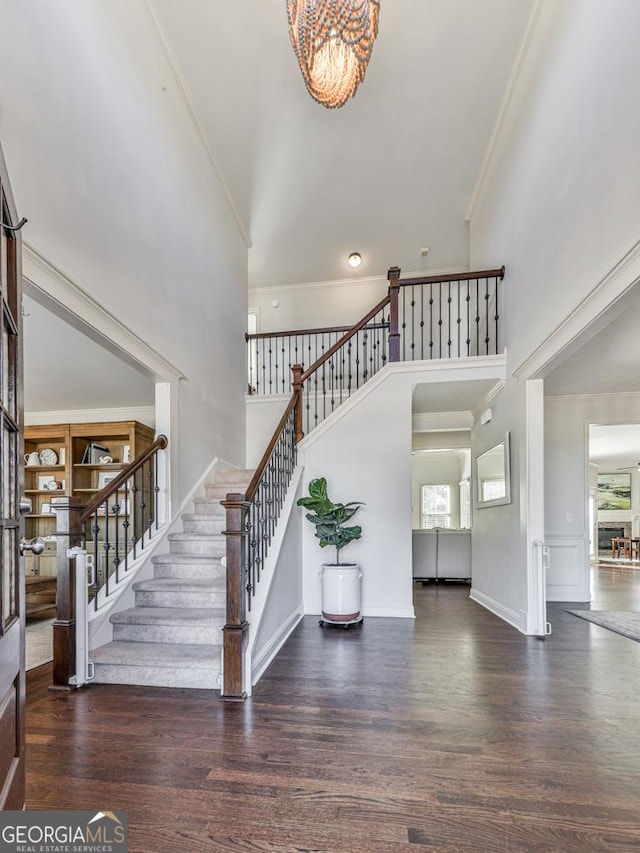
(360, 465)
(561, 199)
(364, 451)
(566, 427)
(498, 554)
(121, 196)
(316, 306)
(263, 415)
(559, 205)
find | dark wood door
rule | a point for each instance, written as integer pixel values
(12, 678)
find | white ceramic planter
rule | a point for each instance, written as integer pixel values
(341, 592)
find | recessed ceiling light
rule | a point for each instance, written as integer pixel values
(355, 259)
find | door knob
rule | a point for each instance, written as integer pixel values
(25, 505)
(36, 546)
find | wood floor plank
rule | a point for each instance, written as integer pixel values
(450, 733)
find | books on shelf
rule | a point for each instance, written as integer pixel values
(93, 452)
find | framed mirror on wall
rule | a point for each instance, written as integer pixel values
(493, 475)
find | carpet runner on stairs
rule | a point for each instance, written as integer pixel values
(173, 635)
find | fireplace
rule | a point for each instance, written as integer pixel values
(606, 533)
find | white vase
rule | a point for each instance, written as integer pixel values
(341, 592)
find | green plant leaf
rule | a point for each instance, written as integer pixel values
(329, 518)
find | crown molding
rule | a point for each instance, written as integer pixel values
(565, 398)
(49, 286)
(144, 414)
(188, 101)
(503, 111)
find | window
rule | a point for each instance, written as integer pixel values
(436, 505)
(465, 505)
(493, 490)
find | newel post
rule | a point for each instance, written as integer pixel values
(68, 534)
(394, 335)
(235, 631)
(297, 390)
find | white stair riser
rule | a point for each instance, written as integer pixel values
(219, 493)
(209, 506)
(155, 676)
(191, 634)
(190, 571)
(199, 547)
(203, 524)
(230, 475)
(173, 598)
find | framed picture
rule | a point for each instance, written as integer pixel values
(614, 491)
(105, 477)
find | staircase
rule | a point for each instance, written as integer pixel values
(173, 635)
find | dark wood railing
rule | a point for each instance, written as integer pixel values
(450, 316)
(271, 356)
(441, 316)
(114, 527)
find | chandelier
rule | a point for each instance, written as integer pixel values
(333, 40)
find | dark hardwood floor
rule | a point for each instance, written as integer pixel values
(450, 733)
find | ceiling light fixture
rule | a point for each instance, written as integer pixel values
(333, 40)
(355, 259)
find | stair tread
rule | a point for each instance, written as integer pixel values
(128, 653)
(190, 616)
(179, 584)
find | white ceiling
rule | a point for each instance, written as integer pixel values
(391, 172)
(614, 445)
(450, 396)
(605, 359)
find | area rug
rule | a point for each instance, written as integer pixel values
(39, 643)
(622, 622)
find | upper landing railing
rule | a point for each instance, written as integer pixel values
(430, 317)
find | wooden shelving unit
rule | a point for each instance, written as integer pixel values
(74, 477)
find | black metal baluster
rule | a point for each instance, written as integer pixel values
(422, 321)
(116, 521)
(95, 527)
(264, 368)
(477, 317)
(449, 321)
(403, 325)
(126, 512)
(349, 360)
(106, 547)
(486, 312)
(497, 314)
(468, 318)
(431, 321)
(459, 320)
(413, 323)
(440, 319)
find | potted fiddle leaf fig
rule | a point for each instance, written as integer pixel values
(341, 582)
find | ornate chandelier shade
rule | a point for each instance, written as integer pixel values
(333, 40)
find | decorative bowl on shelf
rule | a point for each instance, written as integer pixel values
(48, 456)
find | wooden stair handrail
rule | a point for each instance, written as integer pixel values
(458, 276)
(111, 488)
(343, 340)
(255, 480)
(259, 336)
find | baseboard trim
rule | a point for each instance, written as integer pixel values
(269, 652)
(517, 619)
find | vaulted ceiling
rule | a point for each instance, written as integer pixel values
(392, 172)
